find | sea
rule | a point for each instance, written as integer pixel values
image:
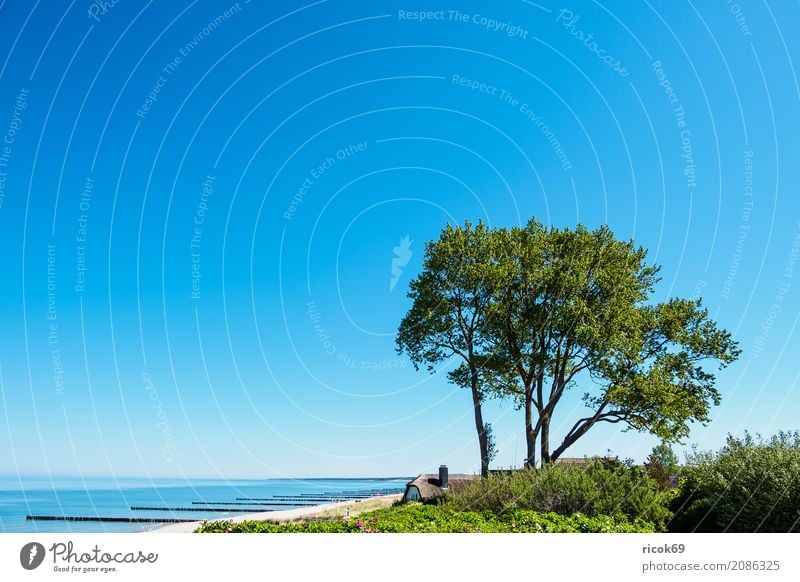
(130, 503)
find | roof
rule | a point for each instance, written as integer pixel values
(582, 461)
(429, 485)
(579, 461)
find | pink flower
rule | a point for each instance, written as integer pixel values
(367, 529)
(229, 530)
(360, 523)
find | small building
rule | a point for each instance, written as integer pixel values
(428, 486)
(583, 462)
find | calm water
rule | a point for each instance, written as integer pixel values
(109, 498)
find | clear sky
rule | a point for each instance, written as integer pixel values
(203, 209)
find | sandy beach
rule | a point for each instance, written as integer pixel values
(340, 509)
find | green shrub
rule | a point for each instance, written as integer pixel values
(664, 456)
(662, 463)
(532, 522)
(416, 517)
(750, 485)
(599, 489)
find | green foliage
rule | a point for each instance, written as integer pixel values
(664, 456)
(580, 301)
(416, 517)
(532, 311)
(491, 444)
(531, 521)
(750, 485)
(599, 489)
(658, 474)
(605, 496)
(658, 383)
(450, 300)
(661, 464)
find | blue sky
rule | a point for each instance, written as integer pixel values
(199, 206)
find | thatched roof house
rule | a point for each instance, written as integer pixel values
(428, 486)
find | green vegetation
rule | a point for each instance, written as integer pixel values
(601, 489)
(664, 456)
(415, 517)
(750, 485)
(603, 497)
(531, 312)
(661, 465)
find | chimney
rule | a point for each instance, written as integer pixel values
(443, 481)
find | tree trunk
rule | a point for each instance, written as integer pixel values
(559, 450)
(578, 431)
(483, 441)
(568, 442)
(544, 430)
(530, 435)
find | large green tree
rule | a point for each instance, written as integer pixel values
(576, 309)
(550, 309)
(447, 319)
